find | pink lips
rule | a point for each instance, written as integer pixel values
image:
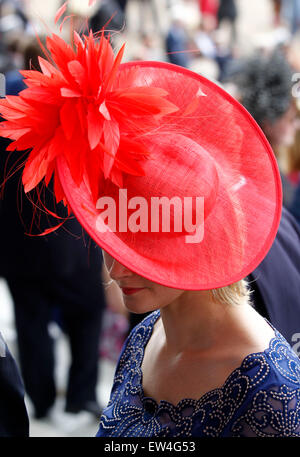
(130, 291)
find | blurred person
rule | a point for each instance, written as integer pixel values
(122, 4)
(277, 4)
(212, 45)
(149, 6)
(290, 13)
(293, 156)
(295, 203)
(177, 40)
(23, 52)
(13, 414)
(108, 12)
(227, 11)
(205, 39)
(265, 85)
(209, 10)
(51, 278)
(275, 283)
(294, 169)
(149, 47)
(13, 21)
(103, 13)
(14, 8)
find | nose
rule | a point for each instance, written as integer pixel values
(117, 271)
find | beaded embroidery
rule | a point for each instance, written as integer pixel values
(260, 398)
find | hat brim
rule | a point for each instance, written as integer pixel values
(239, 230)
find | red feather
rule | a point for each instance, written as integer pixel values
(47, 68)
(60, 12)
(95, 126)
(112, 76)
(68, 119)
(49, 230)
(41, 95)
(77, 70)
(64, 20)
(14, 132)
(82, 107)
(69, 93)
(35, 170)
(111, 143)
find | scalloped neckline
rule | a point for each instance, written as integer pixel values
(165, 403)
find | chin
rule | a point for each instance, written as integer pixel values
(134, 311)
(138, 308)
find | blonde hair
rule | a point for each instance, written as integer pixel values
(234, 294)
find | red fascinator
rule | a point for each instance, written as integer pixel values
(166, 171)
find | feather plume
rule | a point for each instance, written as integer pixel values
(60, 12)
(82, 107)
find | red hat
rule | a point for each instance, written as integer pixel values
(166, 171)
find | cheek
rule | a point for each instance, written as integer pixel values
(286, 129)
(151, 299)
(281, 133)
(288, 134)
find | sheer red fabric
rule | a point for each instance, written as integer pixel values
(211, 148)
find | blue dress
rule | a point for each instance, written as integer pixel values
(260, 398)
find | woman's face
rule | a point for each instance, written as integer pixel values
(140, 295)
(282, 131)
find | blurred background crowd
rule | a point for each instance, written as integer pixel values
(252, 49)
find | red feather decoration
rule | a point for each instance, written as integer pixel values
(60, 12)
(80, 106)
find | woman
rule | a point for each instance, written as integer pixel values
(293, 167)
(264, 83)
(201, 366)
(178, 185)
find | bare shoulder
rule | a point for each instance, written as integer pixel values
(253, 335)
(257, 332)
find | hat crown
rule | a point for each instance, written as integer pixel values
(210, 148)
(178, 171)
(177, 167)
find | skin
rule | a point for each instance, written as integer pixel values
(282, 131)
(196, 343)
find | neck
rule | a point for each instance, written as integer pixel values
(196, 322)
